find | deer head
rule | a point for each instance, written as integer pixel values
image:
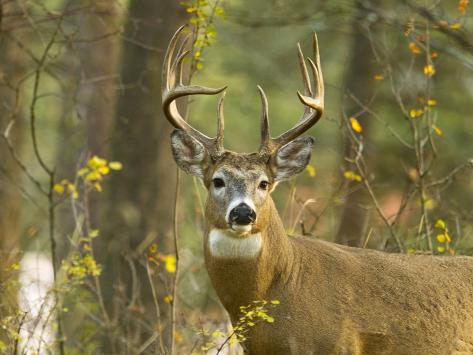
(239, 184)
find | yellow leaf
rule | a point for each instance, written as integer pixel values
(83, 171)
(455, 26)
(167, 299)
(413, 47)
(438, 131)
(178, 336)
(378, 77)
(275, 302)
(441, 238)
(355, 125)
(350, 175)
(115, 165)
(98, 187)
(104, 170)
(462, 6)
(429, 70)
(430, 204)
(94, 233)
(58, 188)
(431, 102)
(440, 223)
(310, 170)
(75, 195)
(93, 176)
(95, 162)
(414, 113)
(270, 319)
(15, 266)
(170, 263)
(217, 334)
(441, 249)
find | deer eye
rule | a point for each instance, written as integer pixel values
(218, 183)
(263, 185)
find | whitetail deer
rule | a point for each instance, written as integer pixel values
(334, 299)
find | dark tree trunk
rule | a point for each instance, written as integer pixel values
(141, 201)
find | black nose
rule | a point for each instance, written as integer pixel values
(242, 214)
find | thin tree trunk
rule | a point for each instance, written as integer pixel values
(359, 82)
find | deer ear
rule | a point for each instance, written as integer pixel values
(291, 158)
(190, 155)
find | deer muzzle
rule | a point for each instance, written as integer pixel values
(242, 215)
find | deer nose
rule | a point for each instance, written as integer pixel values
(242, 214)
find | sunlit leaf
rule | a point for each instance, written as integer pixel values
(463, 6)
(58, 188)
(170, 263)
(355, 125)
(440, 223)
(350, 175)
(378, 77)
(115, 165)
(429, 70)
(311, 170)
(413, 48)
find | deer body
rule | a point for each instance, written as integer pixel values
(343, 300)
(333, 299)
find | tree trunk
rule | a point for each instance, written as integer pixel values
(359, 81)
(11, 70)
(141, 201)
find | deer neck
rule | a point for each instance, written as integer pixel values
(243, 269)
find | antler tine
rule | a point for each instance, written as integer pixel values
(173, 88)
(265, 136)
(304, 71)
(220, 125)
(312, 99)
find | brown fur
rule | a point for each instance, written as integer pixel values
(342, 300)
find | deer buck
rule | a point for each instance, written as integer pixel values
(333, 299)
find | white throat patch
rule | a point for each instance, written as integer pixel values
(223, 245)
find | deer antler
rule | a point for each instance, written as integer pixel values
(313, 101)
(173, 88)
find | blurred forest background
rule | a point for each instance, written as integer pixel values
(88, 210)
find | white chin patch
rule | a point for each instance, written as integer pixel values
(241, 229)
(230, 245)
